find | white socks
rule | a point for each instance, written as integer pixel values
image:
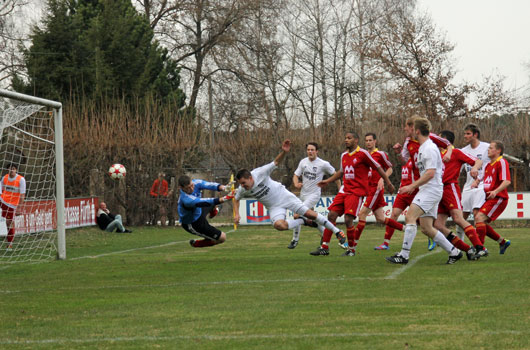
(324, 222)
(445, 244)
(294, 223)
(296, 233)
(321, 229)
(408, 239)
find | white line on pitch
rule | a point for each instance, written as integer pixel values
(402, 269)
(247, 336)
(127, 250)
(132, 250)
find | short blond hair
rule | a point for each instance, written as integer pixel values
(410, 120)
(423, 125)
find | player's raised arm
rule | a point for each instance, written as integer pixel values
(443, 143)
(286, 147)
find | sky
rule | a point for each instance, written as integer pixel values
(491, 37)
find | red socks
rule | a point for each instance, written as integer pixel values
(484, 229)
(494, 235)
(204, 243)
(326, 237)
(481, 231)
(457, 242)
(393, 224)
(389, 232)
(471, 233)
(359, 229)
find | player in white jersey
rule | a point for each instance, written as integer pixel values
(425, 203)
(276, 198)
(473, 197)
(311, 170)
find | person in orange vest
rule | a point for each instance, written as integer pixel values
(13, 192)
(160, 194)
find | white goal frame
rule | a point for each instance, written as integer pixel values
(59, 161)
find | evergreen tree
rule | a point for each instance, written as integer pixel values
(98, 48)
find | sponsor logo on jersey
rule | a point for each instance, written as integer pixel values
(349, 169)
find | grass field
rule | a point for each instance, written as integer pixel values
(150, 289)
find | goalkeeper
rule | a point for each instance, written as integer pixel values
(193, 209)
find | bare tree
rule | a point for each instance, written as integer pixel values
(418, 58)
(190, 29)
(159, 10)
(11, 37)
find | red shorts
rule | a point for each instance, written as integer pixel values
(403, 200)
(492, 208)
(451, 199)
(376, 199)
(345, 203)
(7, 212)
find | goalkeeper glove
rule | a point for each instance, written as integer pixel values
(229, 185)
(228, 196)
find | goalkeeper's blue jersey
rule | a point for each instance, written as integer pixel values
(189, 206)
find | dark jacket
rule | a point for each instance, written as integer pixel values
(103, 219)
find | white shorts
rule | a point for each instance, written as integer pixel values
(310, 200)
(428, 202)
(289, 202)
(473, 199)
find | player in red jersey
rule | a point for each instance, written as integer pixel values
(401, 202)
(354, 168)
(375, 202)
(451, 204)
(410, 150)
(496, 181)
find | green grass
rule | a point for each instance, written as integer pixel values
(150, 289)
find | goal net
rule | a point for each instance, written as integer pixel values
(32, 198)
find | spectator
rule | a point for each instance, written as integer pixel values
(159, 192)
(160, 187)
(13, 192)
(108, 221)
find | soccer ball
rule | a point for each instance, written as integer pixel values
(117, 172)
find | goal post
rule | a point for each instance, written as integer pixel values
(33, 140)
